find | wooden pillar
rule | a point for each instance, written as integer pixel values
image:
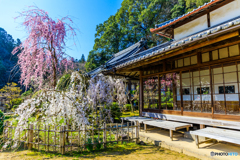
(197, 141)
(174, 93)
(145, 128)
(181, 93)
(141, 93)
(104, 135)
(137, 131)
(62, 139)
(159, 93)
(211, 86)
(129, 94)
(129, 89)
(30, 138)
(171, 134)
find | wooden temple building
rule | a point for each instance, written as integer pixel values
(195, 77)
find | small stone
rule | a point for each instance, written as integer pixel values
(142, 143)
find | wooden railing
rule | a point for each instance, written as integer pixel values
(67, 139)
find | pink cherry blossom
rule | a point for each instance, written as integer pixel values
(42, 54)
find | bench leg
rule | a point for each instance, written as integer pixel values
(202, 126)
(187, 129)
(171, 134)
(197, 141)
(145, 128)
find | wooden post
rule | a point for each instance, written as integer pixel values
(132, 128)
(93, 136)
(197, 141)
(128, 130)
(55, 138)
(181, 93)
(171, 134)
(85, 134)
(35, 145)
(187, 129)
(45, 136)
(98, 134)
(141, 94)
(48, 138)
(104, 135)
(30, 136)
(122, 132)
(38, 137)
(136, 131)
(202, 126)
(62, 139)
(116, 137)
(145, 128)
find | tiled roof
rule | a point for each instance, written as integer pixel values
(124, 54)
(185, 16)
(160, 49)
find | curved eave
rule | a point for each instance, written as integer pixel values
(184, 17)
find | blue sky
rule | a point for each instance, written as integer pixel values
(86, 14)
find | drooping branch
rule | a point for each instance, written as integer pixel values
(42, 53)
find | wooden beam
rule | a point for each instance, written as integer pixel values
(180, 51)
(220, 46)
(231, 59)
(208, 49)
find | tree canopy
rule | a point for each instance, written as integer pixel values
(133, 22)
(7, 60)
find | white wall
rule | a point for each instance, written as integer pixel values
(220, 15)
(224, 13)
(191, 27)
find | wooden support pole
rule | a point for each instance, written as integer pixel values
(62, 139)
(116, 137)
(104, 135)
(128, 130)
(141, 94)
(137, 131)
(48, 138)
(171, 134)
(202, 126)
(122, 132)
(187, 129)
(30, 136)
(197, 141)
(145, 128)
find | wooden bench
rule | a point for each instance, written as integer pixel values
(139, 119)
(217, 134)
(172, 126)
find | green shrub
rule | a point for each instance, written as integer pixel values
(1, 121)
(16, 101)
(128, 107)
(64, 82)
(27, 93)
(116, 111)
(36, 93)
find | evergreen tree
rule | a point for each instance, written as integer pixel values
(8, 70)
(82, 60)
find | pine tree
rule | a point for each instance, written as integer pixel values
(82, 60)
